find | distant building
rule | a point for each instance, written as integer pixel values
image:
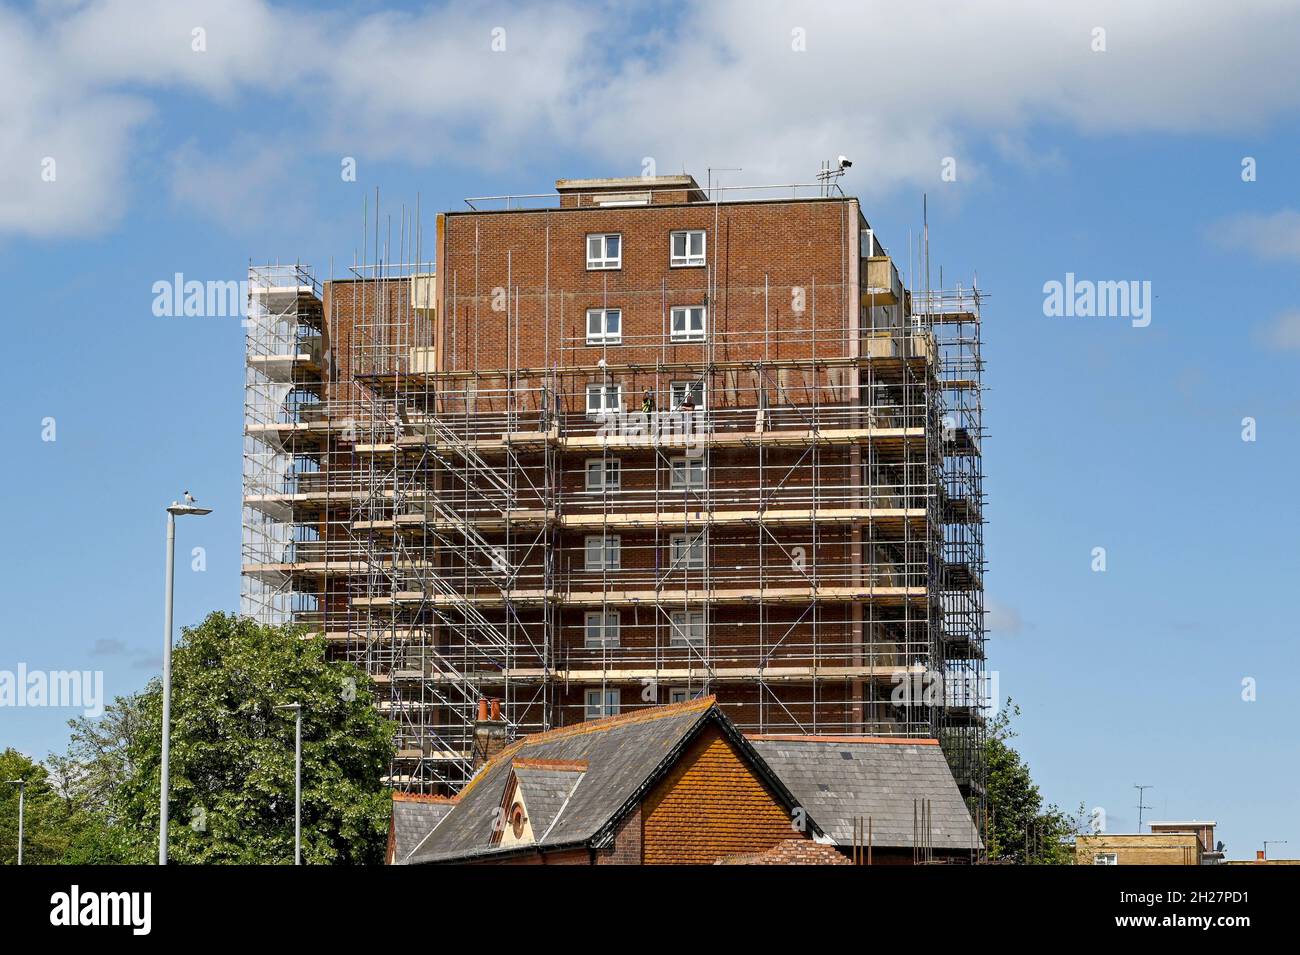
(1168, 843)
(1260, 860)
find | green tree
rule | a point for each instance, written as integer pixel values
(232, 761)
(98, 756)
(86, 778)
(1022, 830)
(45, 818)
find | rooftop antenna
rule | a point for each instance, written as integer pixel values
(1272, 842)
(830, 173)
(708, 189)
(1141, 806)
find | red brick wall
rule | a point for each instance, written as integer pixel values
(542, 254)
(628, 843)
(711, 804)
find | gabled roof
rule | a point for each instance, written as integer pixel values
(414, 817)
(547, 786)
(624, 756)
(839, 779)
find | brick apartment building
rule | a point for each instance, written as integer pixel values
(620, 448)
(1168, 843)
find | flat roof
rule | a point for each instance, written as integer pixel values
(534, 210)
(627, 182)
(1185, 822)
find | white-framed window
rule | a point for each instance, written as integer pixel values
(687, 628)
(605, 251)
(687, 551)
(687, 472)
(601, 552)
(604, 399)
(604, 474)
(681, 694)
(604, 326)
(686, 323)
(1106, 858)
(600, 629)
(679, 390)
(602, 703)
(687, 248)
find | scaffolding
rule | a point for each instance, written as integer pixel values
(794, 524)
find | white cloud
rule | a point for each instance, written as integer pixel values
(431, 86)
(51, 129)
(248, 184)
(1283, 331)
(1003, 621)
(244, 44)
(898, 87)
(1272, 236)
(903, 85)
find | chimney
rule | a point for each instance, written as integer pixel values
(489, 732)
(1259, 855)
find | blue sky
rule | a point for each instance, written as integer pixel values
(1122, 164)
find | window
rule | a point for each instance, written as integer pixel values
(604, 400)
(681, 694)
(605, 251)
(686, 323)
(1105, 858)
(518, 820)
(602, 703)
(687, 248)
(604, 474)
(604, 326)
(686, 473)
(601, 629)
(680, 390)
(687, 628)
(688, 551)
(601, 552)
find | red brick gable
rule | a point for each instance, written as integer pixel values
(709, 805)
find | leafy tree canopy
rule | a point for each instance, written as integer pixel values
(1022, 830)
(232, 757)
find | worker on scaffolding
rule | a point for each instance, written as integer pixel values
(648, 402)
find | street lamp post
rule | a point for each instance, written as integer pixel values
(297, 779)
(164, 786)
(22, 787)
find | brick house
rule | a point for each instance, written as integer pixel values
(676, 784)
(680, 784)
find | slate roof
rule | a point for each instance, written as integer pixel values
(413, 819)
(625, 756)
(839, 778)
(546, 790)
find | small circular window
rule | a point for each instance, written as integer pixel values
(517, 820)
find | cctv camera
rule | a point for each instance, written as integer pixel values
(845, 162)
